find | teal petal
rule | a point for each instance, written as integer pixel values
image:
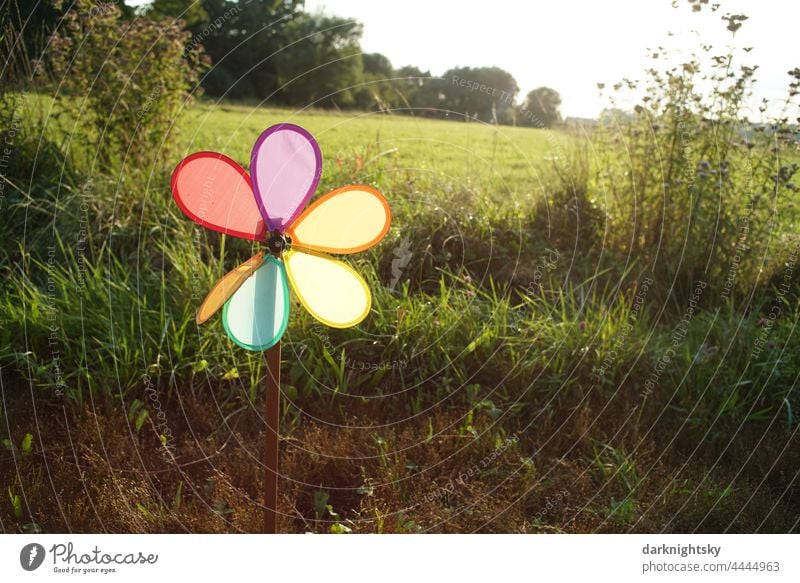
(256, 316)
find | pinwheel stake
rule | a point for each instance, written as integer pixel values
(272, 416)
(286, 165)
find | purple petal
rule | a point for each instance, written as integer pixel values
(285, 167)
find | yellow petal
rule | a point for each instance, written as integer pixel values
(329, 289)
(225, 287)
(346, 220)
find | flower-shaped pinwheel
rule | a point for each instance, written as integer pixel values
(285, 165)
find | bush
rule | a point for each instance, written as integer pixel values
(690, 185)
(123, 81)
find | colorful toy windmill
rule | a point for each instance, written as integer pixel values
(285, 165)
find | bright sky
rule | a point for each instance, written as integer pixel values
(570, 45)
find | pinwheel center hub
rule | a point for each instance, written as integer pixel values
(278, 243)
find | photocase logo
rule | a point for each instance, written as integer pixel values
(402, 257)
(31, 556)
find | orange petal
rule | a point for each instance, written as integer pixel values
(225, 287)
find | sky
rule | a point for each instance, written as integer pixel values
(571, 45)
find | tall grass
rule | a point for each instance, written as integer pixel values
(522, 302)
(541, 268)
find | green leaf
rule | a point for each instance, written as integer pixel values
(200, 366)
(16, 503)
(27, 443)
(135, 405)
(320, 502)
(339, 528)
(481, 339)
(328, 358)
(145, 512)
(140, 419)
(176, 503)
(231, 374)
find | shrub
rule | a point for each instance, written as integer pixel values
(690, 184)
(123, 81)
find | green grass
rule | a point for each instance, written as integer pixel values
(505, 159)
(498, 325)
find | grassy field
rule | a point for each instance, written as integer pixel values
(507, 159)
(521, 370)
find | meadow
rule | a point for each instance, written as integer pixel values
(530, 364)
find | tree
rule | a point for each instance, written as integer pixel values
(190, 11)
(242, 39)
(324, 66)
(378, 65)
(409, 86)
(485, 93)
(377, 91)
(540, 108)
(244, 45)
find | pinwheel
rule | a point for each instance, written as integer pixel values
(267, 207)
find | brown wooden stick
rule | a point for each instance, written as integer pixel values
(272, 417)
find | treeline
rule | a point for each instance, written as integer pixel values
(273, 51)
